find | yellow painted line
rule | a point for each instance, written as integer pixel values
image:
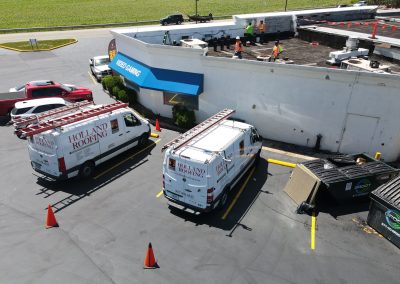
(289, 154)
(237, 195)
(91, 77)
(313, 231)
(281, 163)
(159, 194)
(154, 135)
(123, 161)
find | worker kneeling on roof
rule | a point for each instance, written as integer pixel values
(238, 48)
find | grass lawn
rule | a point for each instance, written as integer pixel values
(44, 13)
(41, 44)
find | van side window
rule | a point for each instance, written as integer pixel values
(241, 146)
(114, 126)
(171, 164)
(131, 120)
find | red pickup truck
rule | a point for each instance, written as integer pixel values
(43, 89)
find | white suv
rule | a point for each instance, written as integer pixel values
(32, 107)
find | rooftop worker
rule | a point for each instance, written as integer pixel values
(276, 50)
(249, 30)
(238, 48)
(261, 29)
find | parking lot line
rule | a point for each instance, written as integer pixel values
(123, 161)
(159, 194)
(313, 230)
(91, 77)
(237, 195)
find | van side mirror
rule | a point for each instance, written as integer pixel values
(90, 62)
(227, 160)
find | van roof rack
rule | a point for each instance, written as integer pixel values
(200, 128)
(23, 122)
(68, 119)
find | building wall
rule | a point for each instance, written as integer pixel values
(353, 111)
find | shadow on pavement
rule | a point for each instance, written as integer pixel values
(327, 204)
(239, 210)
(78, 189)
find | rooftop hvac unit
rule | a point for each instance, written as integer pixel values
(351, 50)
(195, 43)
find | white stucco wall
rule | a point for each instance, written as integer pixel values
(353, 111)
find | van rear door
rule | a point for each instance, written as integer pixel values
(43, 154)
(186, 179)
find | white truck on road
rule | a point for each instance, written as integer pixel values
(71, 145)
(202, 165)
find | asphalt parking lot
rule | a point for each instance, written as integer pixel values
(107, 222)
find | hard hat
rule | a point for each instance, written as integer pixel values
(238, 37)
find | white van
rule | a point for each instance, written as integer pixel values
(204, 164)
(95, 135)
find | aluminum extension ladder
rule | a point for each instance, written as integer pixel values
(68, 119)
(23, 122)
(198, 129)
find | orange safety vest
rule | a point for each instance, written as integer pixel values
(238, 47)
(275, 51)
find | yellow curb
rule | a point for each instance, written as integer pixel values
(281, 163)
(40, 49)
(289, 154)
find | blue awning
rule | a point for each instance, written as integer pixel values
(157, 79)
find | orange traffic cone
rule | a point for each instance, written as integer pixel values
(51, 219)
(158, 125)
(150, 261)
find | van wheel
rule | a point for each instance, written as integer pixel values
(86, 170)
(143, 139)
(257, 159)
(224, 199)
(179, 22)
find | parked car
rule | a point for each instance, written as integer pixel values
(31, 107)
(172, 19)
(87, 141)
(43, 89)
(361, 3)
(99, 66)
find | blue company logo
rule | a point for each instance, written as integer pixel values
(393, 219)
(362, 186)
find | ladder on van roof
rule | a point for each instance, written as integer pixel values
(68, 119)
(198, 129)
(23, 122)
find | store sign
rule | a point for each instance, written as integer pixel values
(131, 69)
(112, 49)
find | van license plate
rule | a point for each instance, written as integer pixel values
(173, 195)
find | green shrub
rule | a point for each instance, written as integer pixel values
(115, 91)
(132, 95)
(117, 81)
(122, 96)
(183, 117)
(107, 82)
